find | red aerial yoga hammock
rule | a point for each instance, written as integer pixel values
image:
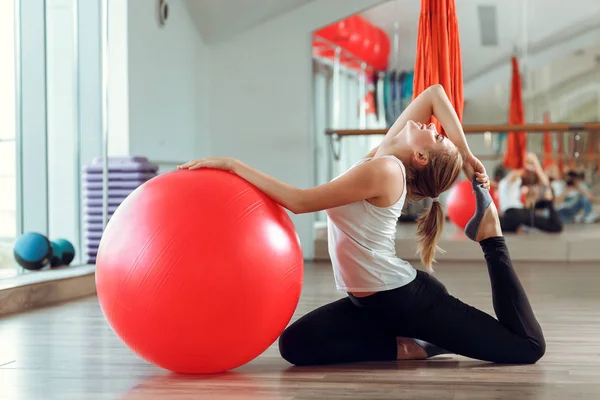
(438, 53)
(516, 142)
(561, 152)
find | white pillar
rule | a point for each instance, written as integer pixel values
(31, 116)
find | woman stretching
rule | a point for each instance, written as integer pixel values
(393, 311)
(513, 213)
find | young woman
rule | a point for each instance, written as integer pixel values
(572, 197)
(393, 311)
(515, 214)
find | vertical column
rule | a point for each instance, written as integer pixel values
(31, 132)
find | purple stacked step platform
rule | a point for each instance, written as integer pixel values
(125, 174)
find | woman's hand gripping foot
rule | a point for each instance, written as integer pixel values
(485, 223)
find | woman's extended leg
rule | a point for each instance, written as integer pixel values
(515, 337)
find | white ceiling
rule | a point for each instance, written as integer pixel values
(219, 20)
(529, 24)
(559, 39)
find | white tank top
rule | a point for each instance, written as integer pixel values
(510, 194)
(361, 241)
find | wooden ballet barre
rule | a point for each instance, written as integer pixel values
(554, 157)
(533, 128)
(591, 127)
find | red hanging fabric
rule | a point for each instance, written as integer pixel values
(516, 142)
(561, 152)
(457, 95)
(438, 53)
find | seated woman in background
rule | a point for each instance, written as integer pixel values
(514, 214)
(574, 200)
(499, 173)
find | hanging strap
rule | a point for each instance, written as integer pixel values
(334, 138)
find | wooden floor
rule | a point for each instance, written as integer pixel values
(69, 352)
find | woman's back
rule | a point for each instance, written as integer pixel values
(361, 239)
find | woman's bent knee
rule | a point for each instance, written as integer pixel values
(539, 350)
(293, 347)
(532, 354)
(555, 229)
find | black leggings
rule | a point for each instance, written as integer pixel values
(513, 218)
(365, 329)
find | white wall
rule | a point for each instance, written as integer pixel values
(256, 88)
(158, 84)
(168, 71)
(90, 81)
(118, 78)
(261, 97)
(218, 21)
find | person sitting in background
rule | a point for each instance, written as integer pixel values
(499, 173)
(515, 215)
(574, 200)
(557, 183)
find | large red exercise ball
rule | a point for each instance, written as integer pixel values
(328, 33)
(199, 271)
(365, 52)
(356, 39)
(382, 51)
(338, 33)
(345, 27)
(461, 204)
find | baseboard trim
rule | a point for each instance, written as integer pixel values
(49, 287)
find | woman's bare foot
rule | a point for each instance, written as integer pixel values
(409, 350)
(490, 224)
(483, 201)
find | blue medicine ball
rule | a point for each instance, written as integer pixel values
(32, 251)
(63, 252)
(57, 254)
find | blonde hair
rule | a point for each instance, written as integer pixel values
(440, 173)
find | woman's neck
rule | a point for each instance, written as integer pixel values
(395, 147)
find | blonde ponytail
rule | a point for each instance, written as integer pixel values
(429, 229)
(440, 173)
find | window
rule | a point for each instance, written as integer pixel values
(8, 148)
(50, 115)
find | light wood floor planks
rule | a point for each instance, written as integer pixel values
(69, 352)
